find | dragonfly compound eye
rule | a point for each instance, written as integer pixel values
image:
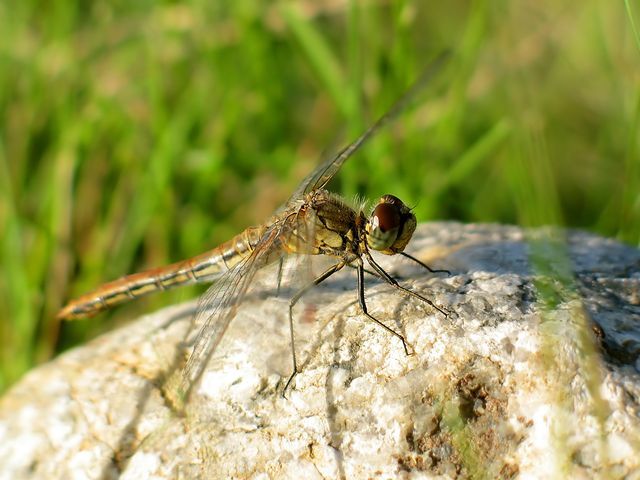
(384, 225)
(391, 226)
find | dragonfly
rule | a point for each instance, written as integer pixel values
(313, 221)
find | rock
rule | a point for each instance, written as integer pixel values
(533, 374)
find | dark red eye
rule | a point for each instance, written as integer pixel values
(387, 216)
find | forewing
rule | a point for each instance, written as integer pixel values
(327, 170)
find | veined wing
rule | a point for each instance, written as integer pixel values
(327, 170)
(218, 306)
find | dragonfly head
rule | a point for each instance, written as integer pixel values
(390, 226)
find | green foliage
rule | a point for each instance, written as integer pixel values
(133, 134)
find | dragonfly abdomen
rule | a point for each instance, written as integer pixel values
(205, 267)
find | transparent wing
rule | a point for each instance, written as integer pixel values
(327, 170)
(219, 305)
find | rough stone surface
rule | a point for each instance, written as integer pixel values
(534, 374)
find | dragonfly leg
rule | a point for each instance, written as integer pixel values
(375, 274)
(411, 257)
(393, 282)
(363, 306)
(330, 271)
(280, 268)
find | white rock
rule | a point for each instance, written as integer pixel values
(512, 383)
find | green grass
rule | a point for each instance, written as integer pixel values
(135, 134)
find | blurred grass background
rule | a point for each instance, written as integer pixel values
(133, 134)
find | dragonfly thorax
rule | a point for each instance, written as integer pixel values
(390, 225)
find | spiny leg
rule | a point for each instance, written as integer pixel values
(392, 281)
(411, 257)
(363, 306)
(330, 271)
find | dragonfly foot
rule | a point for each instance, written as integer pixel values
(286, 386)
